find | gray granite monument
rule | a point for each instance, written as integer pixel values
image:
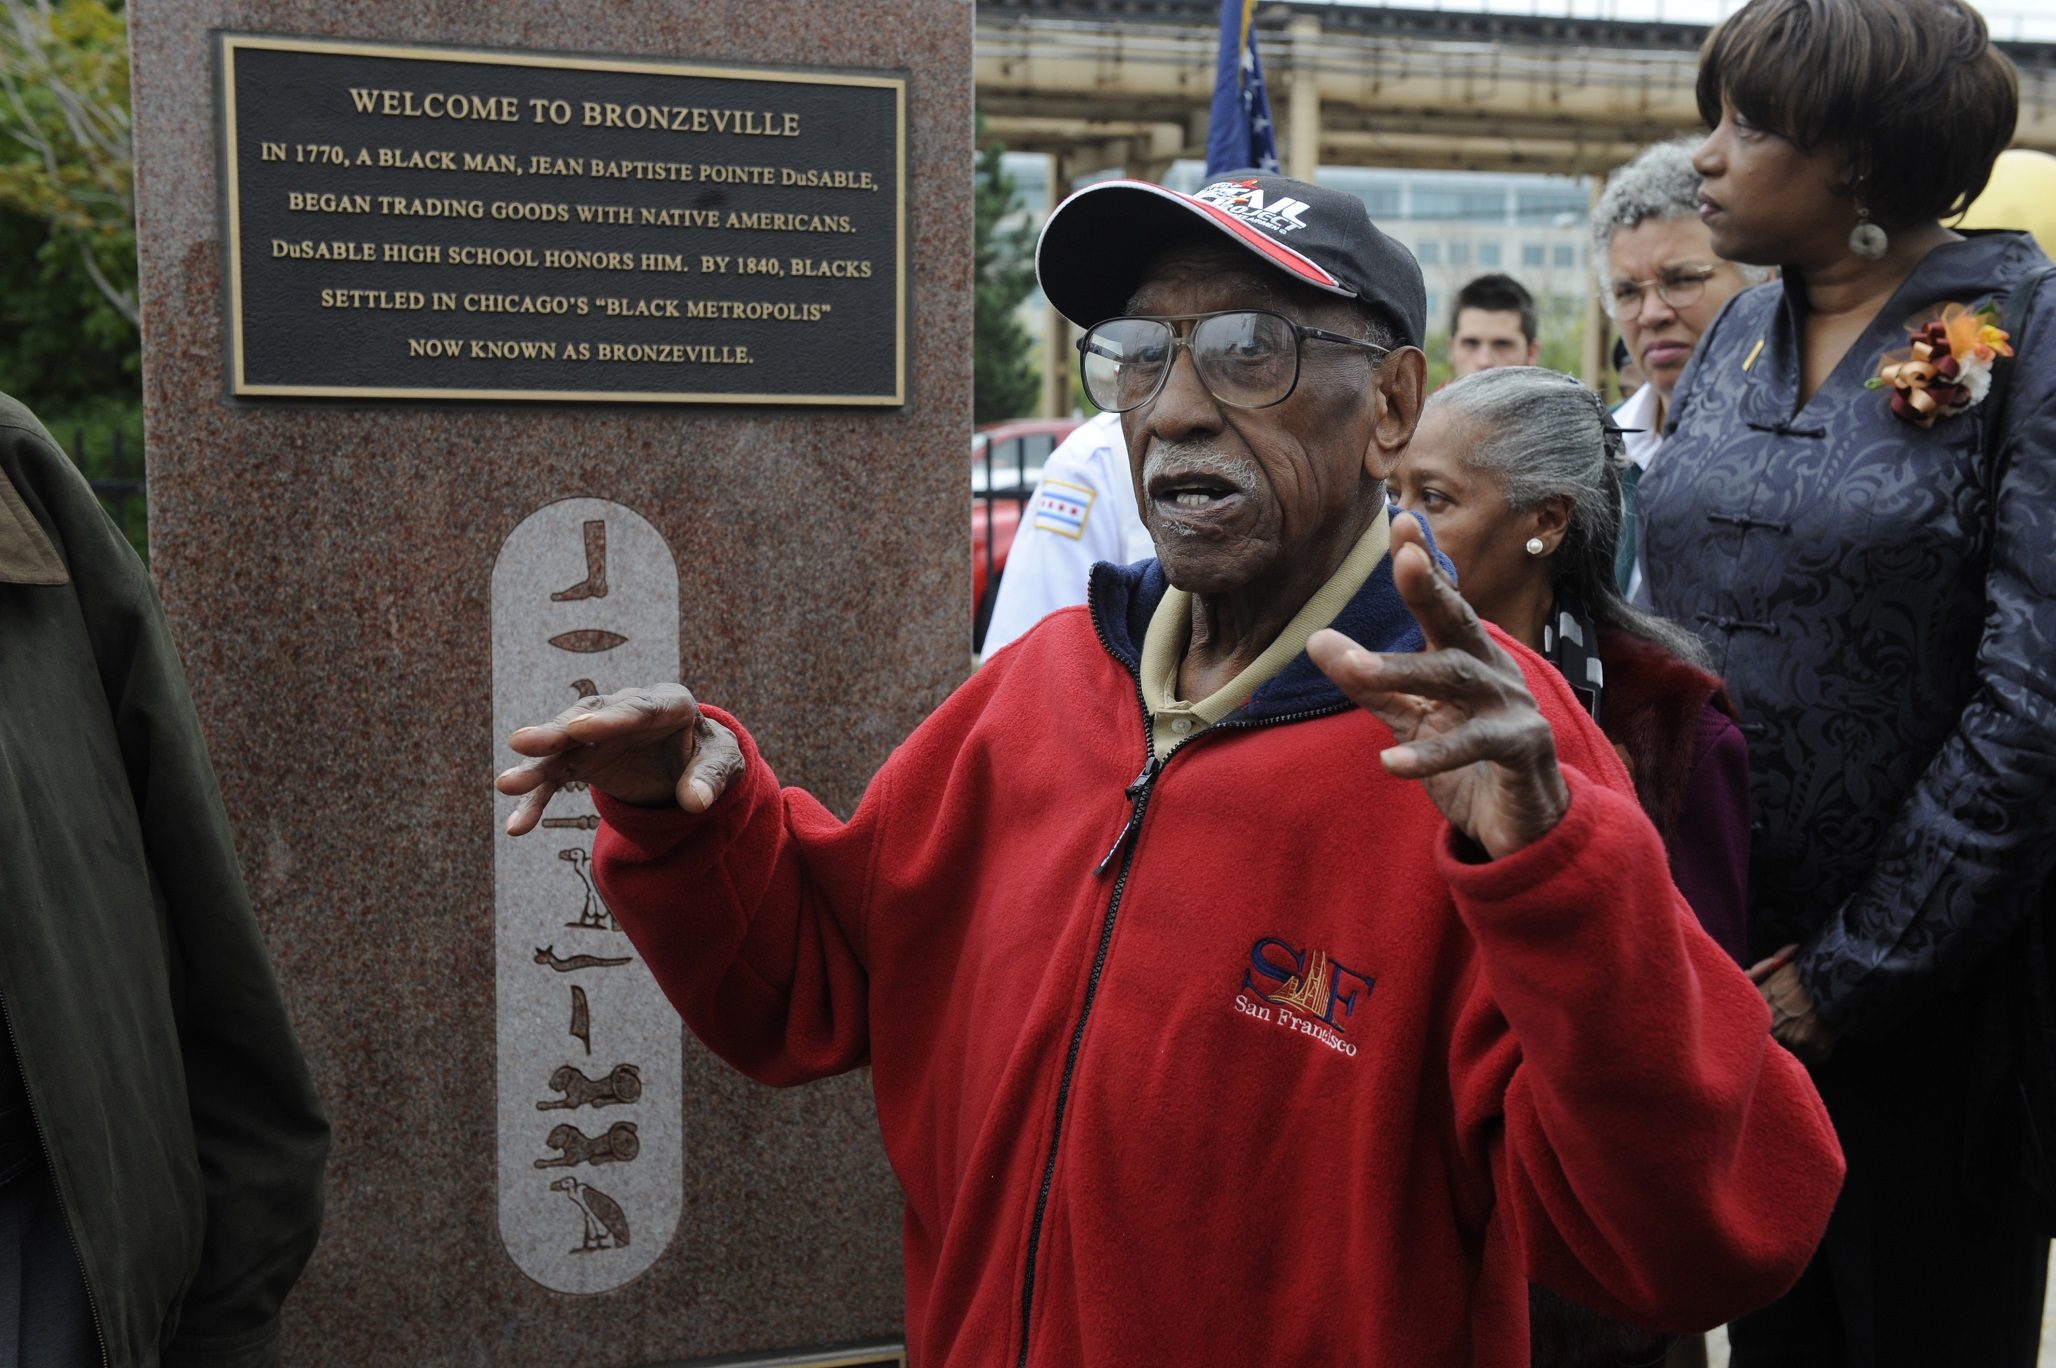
(494, 355)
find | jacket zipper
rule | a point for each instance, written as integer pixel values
(43, 1140)
(1125, 845)
(1138, 799)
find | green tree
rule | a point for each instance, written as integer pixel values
(1563, 335)
(1004, 379)
(63, 345)
(64, 109)
(69, 346)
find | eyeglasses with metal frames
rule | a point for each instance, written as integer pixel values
(1679, 287)
(1246, 358)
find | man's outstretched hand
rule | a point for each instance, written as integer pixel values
(1466, 724)
(651, 746)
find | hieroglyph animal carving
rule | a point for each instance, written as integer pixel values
(574, 1146)
(623, 1085)
(547, 954)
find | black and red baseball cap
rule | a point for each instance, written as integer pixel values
(1096, 243)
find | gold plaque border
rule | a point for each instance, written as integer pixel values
(231, 43)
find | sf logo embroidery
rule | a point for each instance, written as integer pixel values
(1302, 990)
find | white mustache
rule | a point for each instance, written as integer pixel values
(1195, 456)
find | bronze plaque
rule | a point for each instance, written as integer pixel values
(444, 223)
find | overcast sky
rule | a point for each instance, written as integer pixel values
(2030, 19)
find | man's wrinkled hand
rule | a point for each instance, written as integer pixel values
(1795, 1021)
(649, 746)
(1465, 723)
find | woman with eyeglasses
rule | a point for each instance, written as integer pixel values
(1856, 508)
(1661, 283)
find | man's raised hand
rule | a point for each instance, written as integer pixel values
(650, 746)
(1466, 724)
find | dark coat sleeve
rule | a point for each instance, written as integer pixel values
(1970, 850)
(260, 1135)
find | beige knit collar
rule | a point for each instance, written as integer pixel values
(26, 555)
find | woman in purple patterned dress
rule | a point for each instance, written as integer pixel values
(1874, 571)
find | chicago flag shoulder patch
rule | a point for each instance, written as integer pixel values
(1062, 507)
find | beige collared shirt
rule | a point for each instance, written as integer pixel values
(1172, 719)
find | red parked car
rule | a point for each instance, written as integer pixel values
(1006, 463)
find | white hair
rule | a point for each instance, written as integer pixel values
(1657, 183)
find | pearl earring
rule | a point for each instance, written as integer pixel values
(1534, 546)
(1866, 239)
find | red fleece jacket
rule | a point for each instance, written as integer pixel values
(1289, 1083)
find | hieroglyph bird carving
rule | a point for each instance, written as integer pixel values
(594, 915)
(605, 1221)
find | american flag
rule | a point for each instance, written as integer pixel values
(1239, 133)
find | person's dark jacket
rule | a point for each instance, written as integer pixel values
(1881, 601)
(172, 1104)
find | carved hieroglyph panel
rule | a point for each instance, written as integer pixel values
(591, 1118)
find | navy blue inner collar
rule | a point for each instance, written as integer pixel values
(1123, 598)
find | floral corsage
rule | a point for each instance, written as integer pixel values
(1948, 369)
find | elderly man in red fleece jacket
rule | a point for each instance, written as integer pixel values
(1266, 961)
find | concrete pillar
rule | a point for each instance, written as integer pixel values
(1056, 339)
(1057, 399)
(1596, 328)
(1303, 145)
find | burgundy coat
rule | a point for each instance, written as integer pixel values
(1676, 728)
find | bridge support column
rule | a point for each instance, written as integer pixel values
(1303, 144)
(1056, 351)
(1596, 328)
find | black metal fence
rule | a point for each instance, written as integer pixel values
(1003, 477)
(115, 470)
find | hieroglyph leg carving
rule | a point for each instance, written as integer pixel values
(616, 626)
(581, 1018)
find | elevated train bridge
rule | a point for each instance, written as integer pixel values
(1103, 84)
(1127, 83)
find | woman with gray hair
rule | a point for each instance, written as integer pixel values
(1517, 471)
(1518, 474)
(1662, 285)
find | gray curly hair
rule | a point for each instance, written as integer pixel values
(1657, 183)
